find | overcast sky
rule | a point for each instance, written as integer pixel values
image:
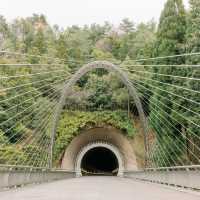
(80, 12)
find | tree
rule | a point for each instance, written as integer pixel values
(170, 41)
(61, 47)
(141, 43)
(4, 31)
(193, 31)
(193, 46)
(127, 26)
(40, 42)
(171, 30)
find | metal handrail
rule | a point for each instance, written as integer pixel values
(186, 167)
(30, 168)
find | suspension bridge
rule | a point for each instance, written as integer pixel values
(99, 161)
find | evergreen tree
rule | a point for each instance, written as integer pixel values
(171, 30)
(170, 41)
(40, 42)
(193, 46)
(127, 26)
(61, 47)
(193, 31)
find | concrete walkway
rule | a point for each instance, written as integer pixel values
(97, 188)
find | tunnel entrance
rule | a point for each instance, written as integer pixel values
(99, 161)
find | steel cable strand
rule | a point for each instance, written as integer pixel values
(36, 110)
(175, 135)
(32, 83)
(41, 94)
(158, 65)
(40, 149)
(43, 134)
(18, 95)
(172, 85)
(168, 115)
(40, 161)
(169, 130)
(162, 157)
(169, 101)
(22, 137)
(151, 157)
(166, 106)
(164, 147)
(173, 128)
(29, 65)
(44, 119)
(44, 161)
(26, 151)
(13, 117)
(166, 75)
(30, 69)
(166, 57)
(41, 123)
(41, 56)
(28, 75)
(32, 156)
(28, 156)
(89, 56)
(24, 117)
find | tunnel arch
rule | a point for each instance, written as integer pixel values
(76, 77)
(110, 147)
(106, 134)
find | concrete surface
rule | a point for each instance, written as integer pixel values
(97, 188)
(107, 134)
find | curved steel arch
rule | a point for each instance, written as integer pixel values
(81, 72)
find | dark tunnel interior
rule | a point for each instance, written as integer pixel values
(99, 161)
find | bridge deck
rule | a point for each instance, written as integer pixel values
(93, 188)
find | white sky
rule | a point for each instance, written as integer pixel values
(80, 12)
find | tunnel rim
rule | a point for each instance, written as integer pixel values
(93, 145)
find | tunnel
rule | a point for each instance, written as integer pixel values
(86, 147)
(99, 161)
(99, 158)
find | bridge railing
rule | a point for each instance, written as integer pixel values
(14, 176)
(180, 176)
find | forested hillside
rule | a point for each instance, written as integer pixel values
(37, 42)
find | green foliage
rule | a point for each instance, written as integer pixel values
(193, 31)
(33, 156)
(169, 152)
(3, 138)
(171, 30)
(12, 156)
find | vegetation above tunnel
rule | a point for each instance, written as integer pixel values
(72, 122)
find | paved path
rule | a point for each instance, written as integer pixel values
(97, 188)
